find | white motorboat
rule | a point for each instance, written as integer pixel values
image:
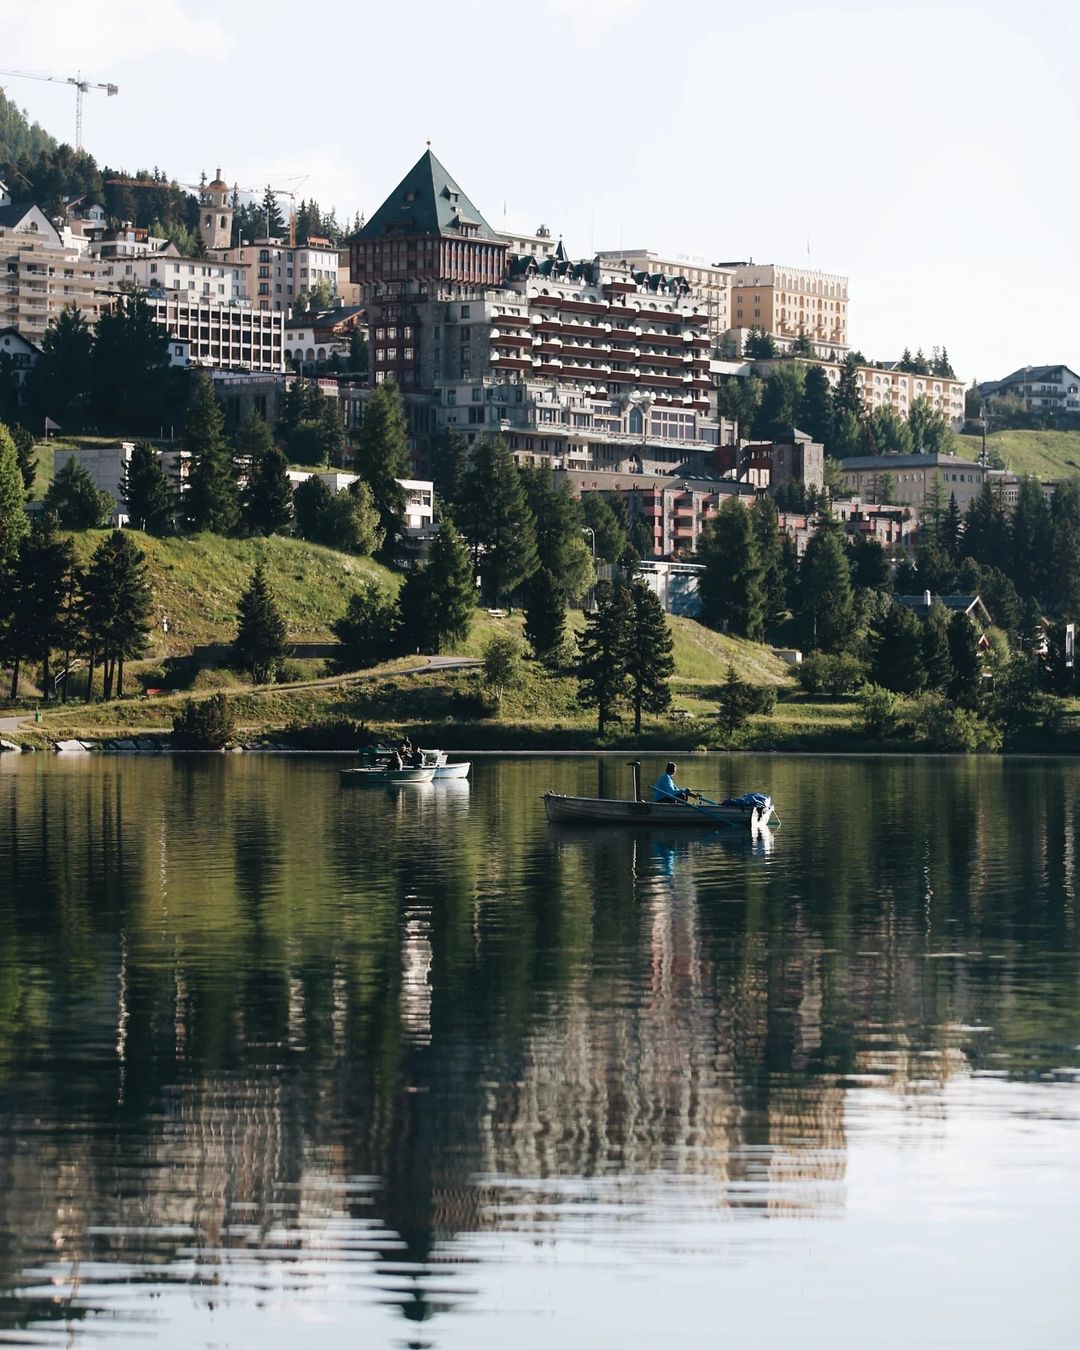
(382, 775)
(445, 770)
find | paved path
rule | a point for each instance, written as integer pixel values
(13, 723)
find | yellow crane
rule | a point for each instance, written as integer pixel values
(82, 86)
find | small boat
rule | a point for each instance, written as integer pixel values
(382, 775)
(751, 810)
(445, 770)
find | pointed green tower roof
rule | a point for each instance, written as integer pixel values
(427, 201)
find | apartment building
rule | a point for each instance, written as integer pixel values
(709, 283)
(882, 386)
(276, 273)
(166, 270)
(790, 301)
(1041, 389)
(908, 479)
(225, 336)
(106, 465)
(40, 274)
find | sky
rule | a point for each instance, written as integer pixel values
(926, 151)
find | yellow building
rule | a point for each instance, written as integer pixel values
(789, 301)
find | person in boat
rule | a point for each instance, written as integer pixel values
(416, 758)
(665, 789)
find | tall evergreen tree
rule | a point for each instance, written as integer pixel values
(558, 523)
(1065, 570)
(815, 411)
(766, 522)
(251, 441)
(650, 662)
(117, 603)
(1030, 538)
(46, 561)
(24, 452)
(732, 586)
(14, 523)
(147, 495)
(847, 395)
(367, 628)
(211, 501)
(129, 368)
(259, 644)
(952, 528)
(898, 651)
(382, 458)
(936, 658)
(986, 529)
(449, 463)
(965, 684)
(545, 615)
(781, 399)
(268, 497)
(602, 654)
(869, 565)
(59, 385)
(451, 593)
(496, 521)
(826, 610)
(75, 501)
(270, 218)
(608, 524)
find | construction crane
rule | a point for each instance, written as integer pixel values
(299, 180)
(81, 87)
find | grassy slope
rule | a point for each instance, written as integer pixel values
(197, 581)
(1047, 454)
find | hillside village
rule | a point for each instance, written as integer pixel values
(489, 417)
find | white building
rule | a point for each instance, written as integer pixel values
(276, 273)
(226, 336)
(1042, 389)
(106, 464)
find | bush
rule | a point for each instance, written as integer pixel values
(341, 733)
(216, 677)
(832, 674)
(760, 698)
(205, 725)
(940, 725)
(879, 712)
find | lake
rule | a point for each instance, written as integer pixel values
(409, 1067)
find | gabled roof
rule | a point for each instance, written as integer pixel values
(14, 332)
(966, 604)
(427, 201)
(1029, 375)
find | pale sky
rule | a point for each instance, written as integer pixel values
(927, 151)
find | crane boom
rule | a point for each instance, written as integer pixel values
(82, 86)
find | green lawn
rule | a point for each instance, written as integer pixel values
(1047, 454)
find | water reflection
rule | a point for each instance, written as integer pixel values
(266, 1042)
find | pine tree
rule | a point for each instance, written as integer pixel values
(129, 368)
(268, 497)
(965, 685)
(496, 521)
(211, 501)
(251, 441)
(986, 529)
(545, 615)
(382, 458)
(936, 658)
(952, 527)
(766, 522)
(146, 491)
(271, 218)
(898, 656)
(734, 703)
(311, 503)
(1065, 574)
(732, 586)
(1030, 538)
(14, 524)
(815, 411)
(75, 501)
(366, 630)
(650, 662)
(46, 561)
(602, 654)
(558, 523)
(117, 602)
(608, 524)
(259, 644)
(451, 594)
(826, 610)
(847, 395)
(24, 451)
(60, 383)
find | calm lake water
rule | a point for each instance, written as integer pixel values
(285, 1065)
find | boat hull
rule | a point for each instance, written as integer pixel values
(603, 811)
(444, 771)
(377, 777)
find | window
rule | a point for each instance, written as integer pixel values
(409, 353)
(451, 396)
(477, 394)
(465, 312)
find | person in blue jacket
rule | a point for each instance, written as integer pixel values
(665, 788)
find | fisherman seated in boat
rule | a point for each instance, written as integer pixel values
(416, 758)
(395, 761)
(665, 788)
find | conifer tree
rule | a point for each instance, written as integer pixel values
(450, 592)
(733, 593)
(251, 441)
(59, 385)
(608, 524)
(936, 659)
(46, 561)
(146, 491)
(382, 458)
(952, 527)
(496, 521)
(826, 610)
(211, 501)
(24, 450)
(560, 540)
(366, 629)
(268, 497)
(75, 501)
(1030, 538)
(14, 523)
(650, 662)
(271, 218)
(965, 684)
(545, 615)
(766, 522)
(898, 656)
(815, 411)
(986, 529)
(116, 607)
(602, 654)
(259, 644)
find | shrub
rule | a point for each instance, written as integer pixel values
(341, 733)
(879, 712)
(940, 725)
(205, 725)
(831, 673)
(216, 677)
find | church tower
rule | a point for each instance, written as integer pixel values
(215, 214)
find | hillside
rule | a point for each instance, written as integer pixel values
(20, 138)
(198, 580)
(1047, 454)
